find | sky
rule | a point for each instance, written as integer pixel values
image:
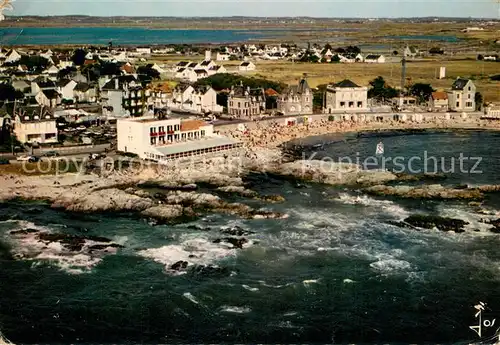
(260, 8)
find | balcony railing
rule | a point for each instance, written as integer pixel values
(153, 134)
(161, 133)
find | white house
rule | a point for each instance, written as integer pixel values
(52, 70)
(143, 51)
(247, 66)
(186, 74)
(461, 97)
(373, 58)
(196, 100)
(161, 139)
(12, 56)
(222, 57)
(345, 96)
(65, 88)
(49, 98)
(216, 69)
(158, 68)
(37, 126)
(350, 58)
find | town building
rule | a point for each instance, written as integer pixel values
(125, 95)
(201, 99)
(246, 102)
(461, 97)
(374, 58)
(438, 101)
(296, 100)
(35, 125)
(410, 51)
(246, 66)
(162, 139)
(345, 96)
(48, 98)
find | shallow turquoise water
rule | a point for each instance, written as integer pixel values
(333, 272)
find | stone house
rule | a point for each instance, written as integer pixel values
(296, 99)
(246, 102)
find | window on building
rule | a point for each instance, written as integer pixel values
(239, 104)
(342, 104)
(190, 135)
(469, 104)
(469, 88)
(351, 104)
(153, 140)
(177, 127)
(169, 128)
(202, 133)
(360, 104)
(183, 136)
(152, 130)
(458, 104)
(161, 129)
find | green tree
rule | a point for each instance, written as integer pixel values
(422, 91)
(8, 93)
(78, 57)
(335, 59)
(380, 90)
(478, 98)
(148, 71)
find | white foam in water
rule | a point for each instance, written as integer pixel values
(190, 297)
(246, 287)
(388, 206)
(348, 281)
(29, 247)
(201, 250)
(310, 281)
(236, 310)
(474, 219)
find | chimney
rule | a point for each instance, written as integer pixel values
(116, 84)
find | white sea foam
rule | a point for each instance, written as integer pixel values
(29, 247)
(348, 281)
(474, 219)
(236, 310)
(196, 251)
(308, 282)
(389, 207)
(190, 297)
(246, 287)
(387, 266)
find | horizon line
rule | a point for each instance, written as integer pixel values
(253, 17)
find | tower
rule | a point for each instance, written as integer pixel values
(403, 73)
(208, 55)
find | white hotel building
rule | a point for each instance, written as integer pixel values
(165, 139)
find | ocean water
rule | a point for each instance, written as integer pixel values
(441, 38)
(134, 36)
(334, 271)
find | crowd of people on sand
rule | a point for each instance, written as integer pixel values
(271, 135)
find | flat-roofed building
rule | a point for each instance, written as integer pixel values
(161, 139)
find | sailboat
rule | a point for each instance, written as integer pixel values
(380, 149)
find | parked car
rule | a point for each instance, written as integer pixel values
(23, 158)
(33, 159)
(51, 154)
(4, 161)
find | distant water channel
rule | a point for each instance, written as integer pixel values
(137, 36)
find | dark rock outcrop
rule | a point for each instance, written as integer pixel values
(179, 265)
(441, 223)
(236, 242)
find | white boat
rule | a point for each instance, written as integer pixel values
(380, 149)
